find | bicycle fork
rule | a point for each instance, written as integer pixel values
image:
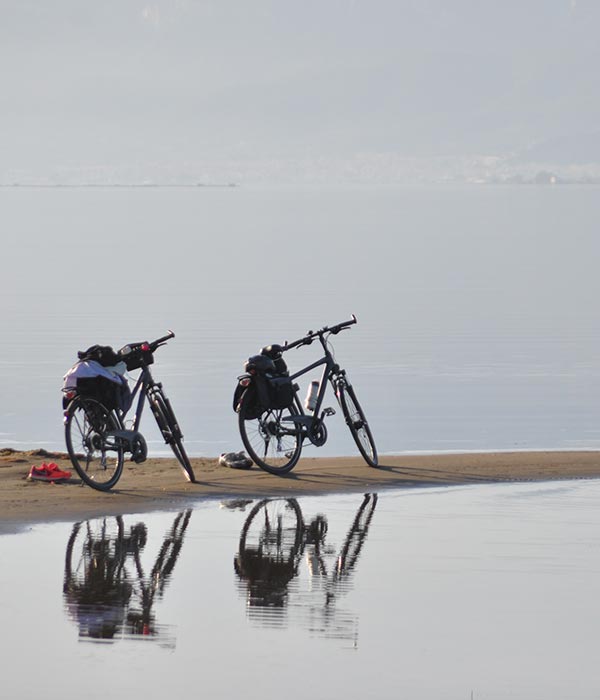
(163, 413)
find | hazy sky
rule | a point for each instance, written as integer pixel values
(172, 82)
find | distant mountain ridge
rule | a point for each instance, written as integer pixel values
(211, 91)
(570, 149)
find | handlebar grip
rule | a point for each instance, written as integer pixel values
(344, 324)
(155, 343)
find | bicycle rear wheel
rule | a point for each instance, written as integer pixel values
(169, 427)
(357, 423)
(95, 452)
(91, 541)
(272, 442)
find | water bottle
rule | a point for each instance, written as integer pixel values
(311, 396)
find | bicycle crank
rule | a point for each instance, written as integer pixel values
(133, 442)
(317, 434)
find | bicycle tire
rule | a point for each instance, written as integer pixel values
(273, 444)
(275, 527)
(97, 590)
(169, 552)
(270, 549)
(169, 428)
(88, 425)
(357, 423)
(89, 538)
(356, 537)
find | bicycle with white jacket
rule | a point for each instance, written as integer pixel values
(96, 402)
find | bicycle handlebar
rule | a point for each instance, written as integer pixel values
(161, 341)
(145, 346)
(310, 336)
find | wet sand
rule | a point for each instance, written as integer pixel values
(158, 484)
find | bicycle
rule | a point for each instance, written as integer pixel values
(276, 536)
(106, 589)
(274, 430)
(96, 437)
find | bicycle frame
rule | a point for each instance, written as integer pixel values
(330, 370)
(142, 385)
(146, 388)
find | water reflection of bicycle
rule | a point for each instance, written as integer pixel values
(106, 590)
(272, 544)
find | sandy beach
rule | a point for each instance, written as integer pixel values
(158, 484)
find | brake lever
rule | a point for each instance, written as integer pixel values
(308, 341)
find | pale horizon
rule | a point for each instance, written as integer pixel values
(214, 92)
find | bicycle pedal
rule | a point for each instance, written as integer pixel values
(328, 412)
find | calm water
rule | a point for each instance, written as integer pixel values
(478, 315)
(431, 593)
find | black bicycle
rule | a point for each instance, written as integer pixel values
(272, 421)
(106, 589)
(273, 542)
(95, 433)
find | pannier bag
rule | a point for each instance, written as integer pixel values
(105, 383)
(110, 394)
(253, 409)
(280, 391)
(280, 366)
(274, 389)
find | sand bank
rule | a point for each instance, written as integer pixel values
(158, 484)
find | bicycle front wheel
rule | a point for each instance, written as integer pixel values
(95, 452)
(357, 423)
(274, 529)
(272, 442)
(169, 427)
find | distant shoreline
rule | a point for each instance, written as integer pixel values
(592, 182)
(115, 185)
(158, 484)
